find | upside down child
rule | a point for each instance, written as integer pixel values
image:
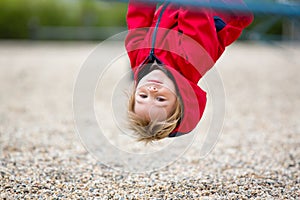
(170, 49)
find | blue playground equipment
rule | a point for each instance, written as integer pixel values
(282, 14)
(276, 7)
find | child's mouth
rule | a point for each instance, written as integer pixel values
(155, 81)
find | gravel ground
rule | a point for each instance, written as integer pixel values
(257, 155)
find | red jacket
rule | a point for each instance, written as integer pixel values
(186, 42)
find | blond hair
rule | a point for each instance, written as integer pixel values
(148, 130)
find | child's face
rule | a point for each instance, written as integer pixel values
(155, 96)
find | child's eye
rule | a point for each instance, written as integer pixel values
(143, 96)
(161, 99)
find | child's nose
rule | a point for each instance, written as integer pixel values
(152, 88)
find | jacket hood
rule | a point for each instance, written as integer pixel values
(193, 103)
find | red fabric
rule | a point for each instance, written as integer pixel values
(187, 42)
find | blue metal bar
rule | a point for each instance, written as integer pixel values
(259, 7)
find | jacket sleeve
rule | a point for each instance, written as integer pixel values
(235, 21)
(198, 24)
(139, 18)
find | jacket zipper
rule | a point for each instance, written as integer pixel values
(156, 29)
